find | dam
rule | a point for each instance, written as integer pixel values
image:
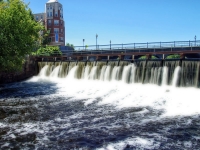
(157, 72)
(103, 104)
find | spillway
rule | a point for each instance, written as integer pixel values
(152, 72)
(103, 105)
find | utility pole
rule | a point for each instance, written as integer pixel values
(96, 40)
(110, 44)
(83, 43)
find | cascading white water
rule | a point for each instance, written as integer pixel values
(72, 73)
(155, 75)
(115, 73)
(86, 72)
(152, 75)
(107, 73)
(103, 70)
(132, 75)
(176, 76)
(55, 72)
(165, 76)
(93, 73)
(43, 71)
(126, 73)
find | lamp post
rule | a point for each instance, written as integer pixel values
(96, 40)
(195, 38)
(110, 44)
(83, 43)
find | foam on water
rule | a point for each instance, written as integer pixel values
(109, 107)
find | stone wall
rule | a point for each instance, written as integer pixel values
(29, 70)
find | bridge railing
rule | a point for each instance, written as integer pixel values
(131, 47)
(140, 45)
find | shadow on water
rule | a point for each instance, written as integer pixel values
(27, 89)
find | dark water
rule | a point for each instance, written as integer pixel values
(34, 116)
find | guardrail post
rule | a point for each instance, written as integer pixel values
(189, 43)
(147, 44)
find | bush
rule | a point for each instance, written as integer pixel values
(48, 51)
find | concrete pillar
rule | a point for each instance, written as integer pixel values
(108, 57)
(87, 57)
(163, 56)
(133, 57)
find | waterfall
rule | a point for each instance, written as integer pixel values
(86, 72)
(72, 73)
(43, 71)
(171, 73)
(55, 72)
(103, 70)
(165, 76)
(126, 73)
(115, 73)
(176, 76)
(93, 74)
(107, 73)
(132, 75)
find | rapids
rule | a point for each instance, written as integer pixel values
(104, 106)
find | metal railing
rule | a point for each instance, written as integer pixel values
(140, 45)
(132, 47)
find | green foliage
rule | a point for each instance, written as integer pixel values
(18, 34)
(70, 45)
(48, 51)
(44, 38)
(175, 56)
(144, 57)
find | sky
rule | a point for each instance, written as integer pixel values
(127, 21)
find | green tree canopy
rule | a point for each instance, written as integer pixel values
(18, 35)
(70, 45)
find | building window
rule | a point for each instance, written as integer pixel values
(47, 8)
(56, 30)
(56, 22)
(49, 39)
(51, 14)
(61, 39)
(48, 14)
(61, 22)
(50, 7)
(61, 30)
(56, 14)
(49, 22)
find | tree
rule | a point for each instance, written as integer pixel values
(18, 35)
(48, 51)
(70, 45)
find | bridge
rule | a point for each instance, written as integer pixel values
(186, 49)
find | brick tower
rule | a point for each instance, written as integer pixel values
(55, 22)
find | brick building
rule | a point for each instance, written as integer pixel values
(53, 21)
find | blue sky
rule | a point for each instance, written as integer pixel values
(127, 21)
